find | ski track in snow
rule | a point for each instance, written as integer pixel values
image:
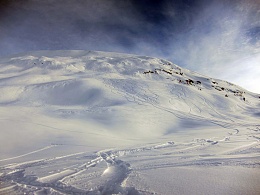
(60, 90)
(110, 178)
(45, 148)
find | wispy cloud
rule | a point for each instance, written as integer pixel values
(205, 36)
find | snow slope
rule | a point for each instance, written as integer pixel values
(92, 122)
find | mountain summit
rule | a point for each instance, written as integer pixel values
(140, 113)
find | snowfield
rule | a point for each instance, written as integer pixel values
(87, 122)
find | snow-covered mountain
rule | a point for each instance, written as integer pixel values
(106, 123)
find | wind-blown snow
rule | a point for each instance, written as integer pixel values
(107, 123)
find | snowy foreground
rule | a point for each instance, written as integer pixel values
(84, 122)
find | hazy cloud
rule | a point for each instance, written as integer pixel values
(205, 36)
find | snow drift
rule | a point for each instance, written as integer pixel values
(116, 121)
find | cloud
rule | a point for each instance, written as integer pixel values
(222, 34)
(205, 36)
(246, 73)
(64, 25)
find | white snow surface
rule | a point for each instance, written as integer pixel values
(89, 122)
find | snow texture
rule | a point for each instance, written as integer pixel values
(88, 122)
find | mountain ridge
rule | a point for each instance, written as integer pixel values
(98, 123)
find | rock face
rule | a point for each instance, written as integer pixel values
(58, 108)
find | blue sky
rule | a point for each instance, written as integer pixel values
(218, 38)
